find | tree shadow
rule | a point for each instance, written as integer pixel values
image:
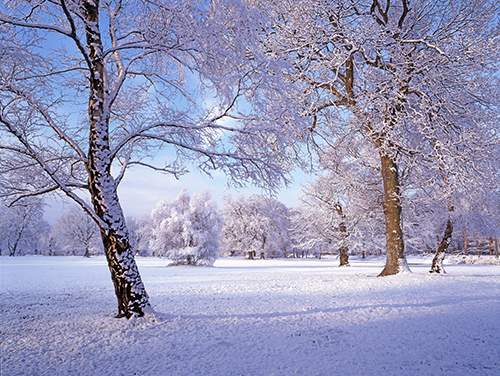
(320, 310)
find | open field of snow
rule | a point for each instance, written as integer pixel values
(242, 317)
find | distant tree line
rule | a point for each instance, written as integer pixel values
(335, 218)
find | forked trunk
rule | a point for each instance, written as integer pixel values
(437, 261)
(130, 292)
(395, 257)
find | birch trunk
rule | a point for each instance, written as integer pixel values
(395, 259)
(344, 234)
(130, 292)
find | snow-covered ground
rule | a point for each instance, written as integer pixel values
(242, 317)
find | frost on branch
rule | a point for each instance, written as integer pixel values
(186, 230)
(256, 226)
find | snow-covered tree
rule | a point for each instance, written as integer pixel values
(186, 230)
(345, 200)
(417, 81)
(256, 226)
(21, 228)
(90, 89)
(139, 229)
(75, 233)
(306, 235)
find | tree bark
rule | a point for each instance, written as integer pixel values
(466, 242)
(437, 261)
(13, 248)
(129, 289)
(344, 234)
(344, 256)
(395, 257)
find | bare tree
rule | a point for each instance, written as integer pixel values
(21, 226)
(77, 233)
(125, 72)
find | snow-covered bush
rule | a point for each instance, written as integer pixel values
(256, 226)
(187, 230)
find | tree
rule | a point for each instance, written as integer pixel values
(21, 227)
(256, 225)
(77, 233)
(346, 197)
(414, 81)
(187, 230)
(138, 229)
(306, 234)
(128, 79)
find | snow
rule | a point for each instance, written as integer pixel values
(244, 317)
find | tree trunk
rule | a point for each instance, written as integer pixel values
(12, 251)
(466, 242)
(87, 252)
(13, 248)
(344, 234)
(344, 256)
(395, 257)
(437, 261)
(130, 292)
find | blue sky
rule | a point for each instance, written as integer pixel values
(142, 188)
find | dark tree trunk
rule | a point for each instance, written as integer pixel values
(437, 261)
(87, 252)
(13, 247)
(395, 257)
(344, 256)
(130, 292)
(129, 289)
